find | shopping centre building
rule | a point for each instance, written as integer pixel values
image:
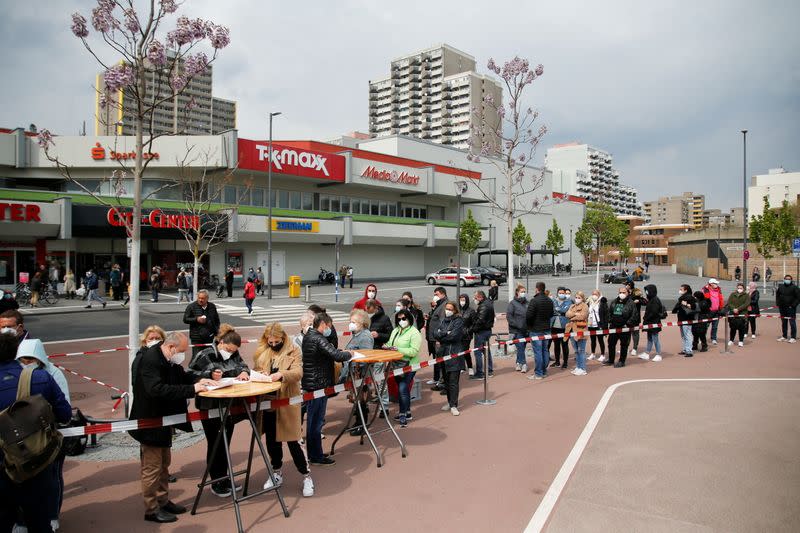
(387, 206)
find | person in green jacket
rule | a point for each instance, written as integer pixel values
(407, 340)
(737, 311)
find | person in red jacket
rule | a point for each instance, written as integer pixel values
(370, 293)
(713, 293)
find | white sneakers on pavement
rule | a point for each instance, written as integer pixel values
(471, 372)
(518, 367)
(308, 486)
(730, 343)
(741, 343)
(602, 359)
(446, 407)
(644, 356)
(454, 411)
(278, 480)
(633, 352)
(656, 358)
(792, 341)
(753, 336)
(578, 372)
(524, 368)
(430, 382)
(714, 342)
(781, 339)
(590, 357)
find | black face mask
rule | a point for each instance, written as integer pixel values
(276, 347)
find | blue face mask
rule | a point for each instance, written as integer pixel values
(562, 296)
(327, 332)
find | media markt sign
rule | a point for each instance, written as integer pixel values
(392, 176)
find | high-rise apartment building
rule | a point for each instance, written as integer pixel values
(583, 170)
(685, 209)
(777, 184)
(193, 112)
(431, 94)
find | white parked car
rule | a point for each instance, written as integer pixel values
(448, 276)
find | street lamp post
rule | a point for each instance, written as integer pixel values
(744, 194)
(461, 188)
(570, 249)
(269, 210)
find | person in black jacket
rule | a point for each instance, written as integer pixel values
(686, 309)
(517, 328)
(468, 318)
(229, 282)
(220, 360)
(482, 328)
(654, 312)
(318, 373)
(379, 325)
(699, 330)
(598, 320)
(639, 300)
(333, 338)
(448, 337)
(787, 298)
(753, 309)
(203, 320)
(161, 388)
(621, 313)
(537, 318)
(436, 315)
(416, 312)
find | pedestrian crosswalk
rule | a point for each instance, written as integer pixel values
(287, 315)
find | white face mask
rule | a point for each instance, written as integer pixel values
(436, 298)
(370, 315)
(31, 365)
(397, 308)
(152, 343)
(622, 296)
(178, 358)
(740, 291)
(7, 329)
(225, 354)
(403, 323)
(522, 295)
(448, 313)
(477, 302)
(353, 326)
(578, 300)
(595, 297)
(371, 295)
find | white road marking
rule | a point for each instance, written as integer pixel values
(548, 503)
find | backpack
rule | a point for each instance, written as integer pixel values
(29, 437)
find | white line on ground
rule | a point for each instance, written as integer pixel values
(548, 503)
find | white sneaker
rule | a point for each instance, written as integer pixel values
(574, 371)
(590, 357)
(430, 382)
(580, 372)
(308, 487)
(518, 367)
(454, 411)
(714, 342)
(792, 341)
(524, 368)
(781, 339)
(753, 336)
(645, 356)
(730, 343)
(741, 343)
(278, 480)
(602, 359)
(633, 352)
(471, 372)
(446, 407)
(656, 358)
(54, 525)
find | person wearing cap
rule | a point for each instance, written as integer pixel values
(714, 294)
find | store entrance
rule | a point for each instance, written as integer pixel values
(12, 262)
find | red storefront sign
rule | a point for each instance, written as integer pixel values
(155, 219)
(392, 176)
(255, 155)
(20, 212)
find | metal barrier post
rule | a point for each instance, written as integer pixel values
(308, 294)
(725, 348)
(486, 400)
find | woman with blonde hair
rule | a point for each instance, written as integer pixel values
(578, 315)
(281, 359)
(220, 360)
(151, 336)
(360, 339)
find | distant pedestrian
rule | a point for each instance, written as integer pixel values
(738, 273)
(493, 290)
(350, 275)
(699, 330)
(190, 284)
(647, 266)
(260, 281)
(69, 284)
(598, 321)
(578, 316)
(768, 274)
(91, 285)
(738, 302)
(36, 285)
(753, 309)
(155, 284)
(654, 313)
(686, 310)
(55, 277)
(756, 275)
(183, 286)
(787, 298)
(249, 295)
(229, 282)
(115, 278)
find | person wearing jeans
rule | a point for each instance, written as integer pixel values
(621, 313)
(686, 309)
(578, 315)
(537, 319)
(713, 293)
(319, 356)
(787, 298)
(482, 326)
(515, 315)
(407, 340)
(654, 311)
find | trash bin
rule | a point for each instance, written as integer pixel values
(294, 286)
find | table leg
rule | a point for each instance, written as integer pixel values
(222, 415)
(249, 463)
(364, 388)
(383, 408)
(352, 415)
(230, 466)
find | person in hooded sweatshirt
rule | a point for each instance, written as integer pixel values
(686, 309)
(699, 330)
(621, 313)
(738, 302)
(220, 360)
(654, 312)
(753, 309)
(380, 326)
(468, 319)
(370, 293)
(448, 338)
(639, 301)
(30, 352)
(517, 327)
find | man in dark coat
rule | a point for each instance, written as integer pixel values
(787, 298)
(229, 282)
(161, 388)
(436, 316)
(482, 328)
(203, 320)
(537, 318)
(380, 325)
(621, 314)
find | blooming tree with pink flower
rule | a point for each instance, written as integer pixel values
(506, 137)
(141, 45)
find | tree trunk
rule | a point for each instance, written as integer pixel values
(136, 243)
(196, 275)
(510, 254)
(764, 274)
(597, 276)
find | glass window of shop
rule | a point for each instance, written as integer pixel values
(12, 262)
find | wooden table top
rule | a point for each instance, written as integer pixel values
(242, 390)
(378, 356)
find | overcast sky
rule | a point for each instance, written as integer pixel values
(666, 87)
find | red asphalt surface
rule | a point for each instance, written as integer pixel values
(486, 469)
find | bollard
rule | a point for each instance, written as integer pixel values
(725, 348)
(486, 400)
(308, 294)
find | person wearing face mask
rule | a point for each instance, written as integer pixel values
(598, 320)
(434, 318)
(578, 316)
(360, 339)
(319, 356)
(448, 336)
(713, 293)
(686, 309)
(468, 318)
(493, 290)
(639, 301)
(281, 360)
(515, 315)
(414, 309)
(305, 321)
(407, 340)
(380, 326)
(557, 324)
(787, 298)
(738, 302)
(621, 315)
(203, 320)
(482, 328)
(753, 309)
(92, 285)
(699, 330)
(161, 388)
(654, 313)
(221, 360)
(537, 319)
(370, 293)
(7, 301)
(12, 321)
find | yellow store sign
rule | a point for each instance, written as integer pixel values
(302, 226)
